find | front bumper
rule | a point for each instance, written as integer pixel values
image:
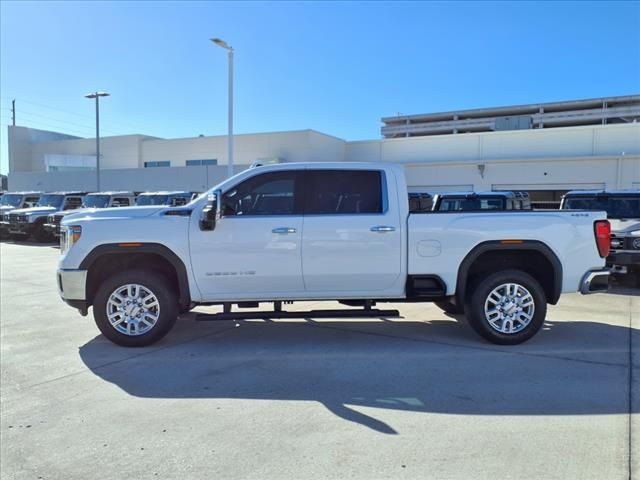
(595, 281)
(72, 287)
(52, 228)
(21, 228)
(624, 258)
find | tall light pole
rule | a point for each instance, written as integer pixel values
(229, 49)
(97, 96)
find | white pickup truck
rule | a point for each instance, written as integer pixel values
(324, 231)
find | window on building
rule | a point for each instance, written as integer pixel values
(335, 192)
(163, 163)
(197, 163)
(271, 193)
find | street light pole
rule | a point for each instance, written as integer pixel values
(97, 96)
(229, 49)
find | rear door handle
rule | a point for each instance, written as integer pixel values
(283, 230)
(383, 229)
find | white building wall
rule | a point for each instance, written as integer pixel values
(295, 146)
(513, 144)
(552, 159)
(192, 179)
(539, 159)
(556, 174)
(115, 152)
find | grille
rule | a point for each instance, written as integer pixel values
(626, 243)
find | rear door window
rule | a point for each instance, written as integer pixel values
(343, 192)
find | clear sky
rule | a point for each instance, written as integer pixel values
(337, 67)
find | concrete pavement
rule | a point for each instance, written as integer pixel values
(416, 397)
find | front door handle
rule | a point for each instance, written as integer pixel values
(383, 229)
(283, 230)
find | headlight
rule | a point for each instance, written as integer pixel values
(69, 236)
(635, 233)
(617, 242)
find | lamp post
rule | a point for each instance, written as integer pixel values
(221, 43)
(97, 96)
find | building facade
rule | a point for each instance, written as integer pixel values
(544, 160)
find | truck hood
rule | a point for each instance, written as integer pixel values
(64, 213)
(34, 210)
(629, 226)
(115, 213)
(618, 225)
(6, 209)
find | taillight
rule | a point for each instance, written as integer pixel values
(603, 237)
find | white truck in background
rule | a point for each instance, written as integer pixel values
(324, 231)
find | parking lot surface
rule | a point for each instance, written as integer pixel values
(417, 397)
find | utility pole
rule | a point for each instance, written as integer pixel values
(229, 49)
(96, 96)
(13, 112)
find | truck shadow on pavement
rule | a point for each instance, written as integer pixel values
(569, 368)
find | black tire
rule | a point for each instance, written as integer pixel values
(155, 283)
(450, 307)
(479, 293)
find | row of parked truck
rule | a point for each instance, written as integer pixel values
(38, 215)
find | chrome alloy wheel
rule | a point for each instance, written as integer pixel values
(133, 309)
(509, 308)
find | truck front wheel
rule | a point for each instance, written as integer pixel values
(506, 307)
(135, 308)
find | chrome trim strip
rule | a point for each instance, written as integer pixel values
(585, 284)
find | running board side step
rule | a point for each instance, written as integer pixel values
(365, 313)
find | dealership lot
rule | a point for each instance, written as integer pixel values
(417, 397)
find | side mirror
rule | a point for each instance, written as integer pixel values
(211, 212)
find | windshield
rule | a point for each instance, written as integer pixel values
(96, 201)
(143, 200)
(50, 201)
(10, 200)
(465, 204)
(616, 207)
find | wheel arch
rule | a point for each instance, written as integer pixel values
(531, 256)
(106, 259)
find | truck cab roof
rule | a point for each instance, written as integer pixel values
(489, 194)
(603, 193)
(112, 193)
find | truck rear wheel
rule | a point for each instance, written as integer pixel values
(135, 308)
(506, 307)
